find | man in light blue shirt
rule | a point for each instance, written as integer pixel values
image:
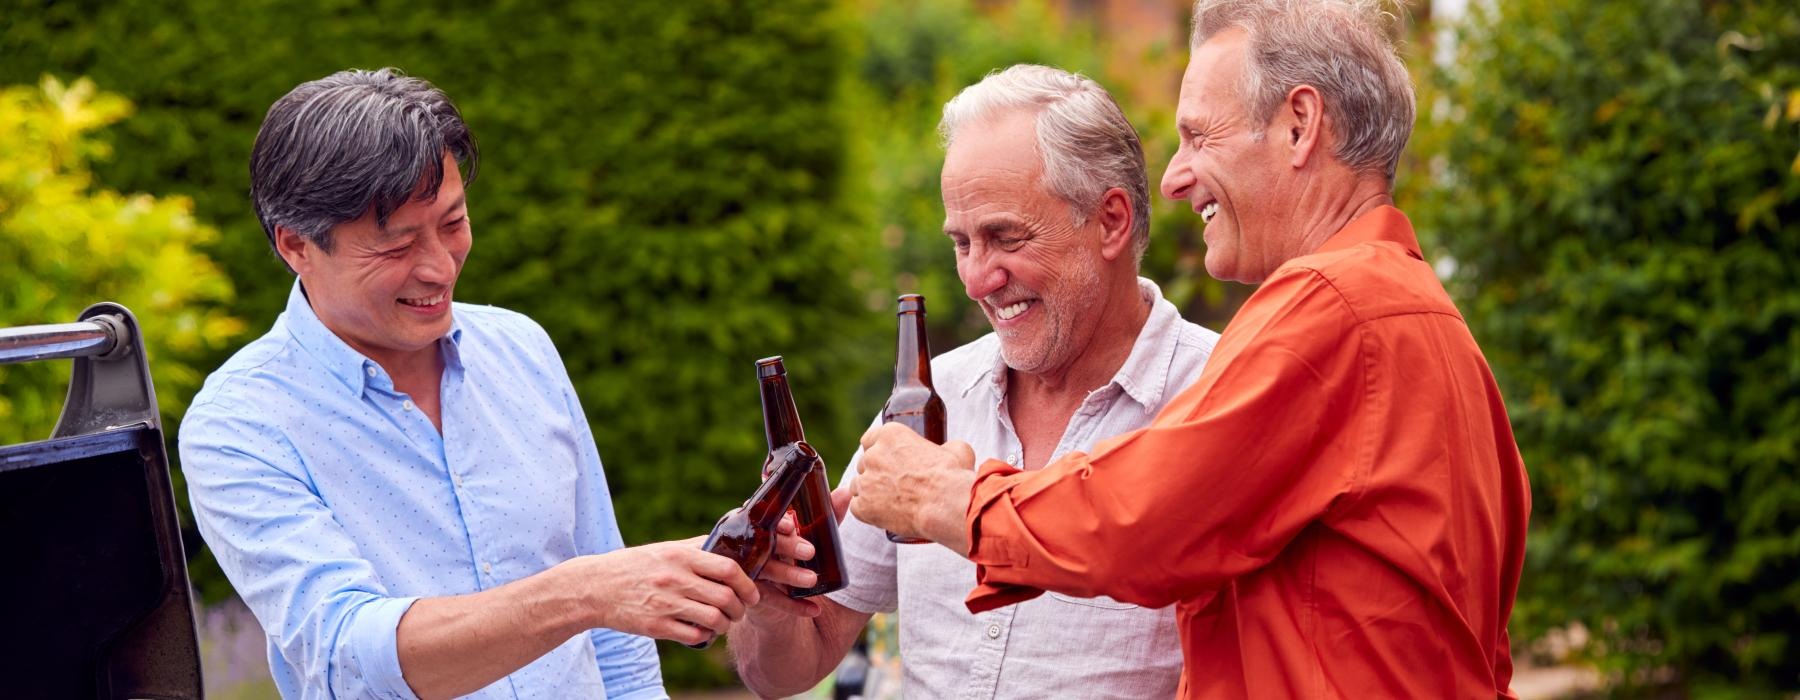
(406, 491)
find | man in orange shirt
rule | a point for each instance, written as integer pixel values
(1337, 505)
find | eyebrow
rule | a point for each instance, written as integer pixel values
(994, 226)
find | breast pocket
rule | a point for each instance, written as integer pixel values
(1101, 602)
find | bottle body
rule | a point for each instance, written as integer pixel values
(747, 535)
(813, 514)
(915, 402)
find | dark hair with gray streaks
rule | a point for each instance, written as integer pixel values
(1341, 48)
(335, 148)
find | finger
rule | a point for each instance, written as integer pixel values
(704, 616)
(788, 575)
(776, 599)
(717, 567)
(840, 499)
(717, 597)
(869, 436)
(677, 631)
(787, 526)
(794, 548)
(724, 570)
(740, 585)
(695, 541)
(964, 454)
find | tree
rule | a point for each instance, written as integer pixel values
(66, 242)
(1617, 186)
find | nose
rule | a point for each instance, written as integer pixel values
(437, 263)
(1178, 179)
(981, 272)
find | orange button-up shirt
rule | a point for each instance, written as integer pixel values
(1337, 504)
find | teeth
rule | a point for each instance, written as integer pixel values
(1208, 212)
(427, 301)
(1007, 313)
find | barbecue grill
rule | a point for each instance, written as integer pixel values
(95, 594)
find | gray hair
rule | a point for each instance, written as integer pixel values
(338, 147)
(1340, 47)
(1087, 144)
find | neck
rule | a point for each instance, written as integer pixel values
(1122, 315)
(1340, 207)
(410, 370)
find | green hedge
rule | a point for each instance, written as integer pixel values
(662, 187)
(1618, 184)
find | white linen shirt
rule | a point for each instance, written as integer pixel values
(1055, 645)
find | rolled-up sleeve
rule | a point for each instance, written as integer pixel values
(318, 600)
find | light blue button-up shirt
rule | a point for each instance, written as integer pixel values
(332, 503)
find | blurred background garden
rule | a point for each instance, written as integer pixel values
(1610, 189)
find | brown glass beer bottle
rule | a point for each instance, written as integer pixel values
(914, 403)
(747, 535)
(812, 509)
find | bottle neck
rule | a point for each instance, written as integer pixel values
(781, 420)
(772, 499)
(912, 357)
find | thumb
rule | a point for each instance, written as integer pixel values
(840, 500)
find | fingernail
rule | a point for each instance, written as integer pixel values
(806, 549)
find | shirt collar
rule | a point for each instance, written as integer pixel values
(1383, 224)
(354, 370)
(1144, 375)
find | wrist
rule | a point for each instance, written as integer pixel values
(944, 523)
(570, 596)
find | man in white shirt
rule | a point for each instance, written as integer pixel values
(1046, 201)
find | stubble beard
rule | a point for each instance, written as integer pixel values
(1060, 304)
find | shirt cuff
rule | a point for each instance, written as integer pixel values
(991, 546)
(374, 647)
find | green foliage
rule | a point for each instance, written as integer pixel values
(66, 242)
(662, 187)
(1618, 183)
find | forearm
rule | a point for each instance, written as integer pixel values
(778, 655)
(455, 645)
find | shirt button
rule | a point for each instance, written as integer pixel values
(371, 371)
(487, 568)
(1013, 459)
(457, 478)
(407, 404)
(994, 631)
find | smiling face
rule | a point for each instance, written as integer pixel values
(1230, 168)
(386, 291)
(1036, 275)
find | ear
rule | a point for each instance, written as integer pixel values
(1115, 217)
(299, 252)
(1305, 124)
